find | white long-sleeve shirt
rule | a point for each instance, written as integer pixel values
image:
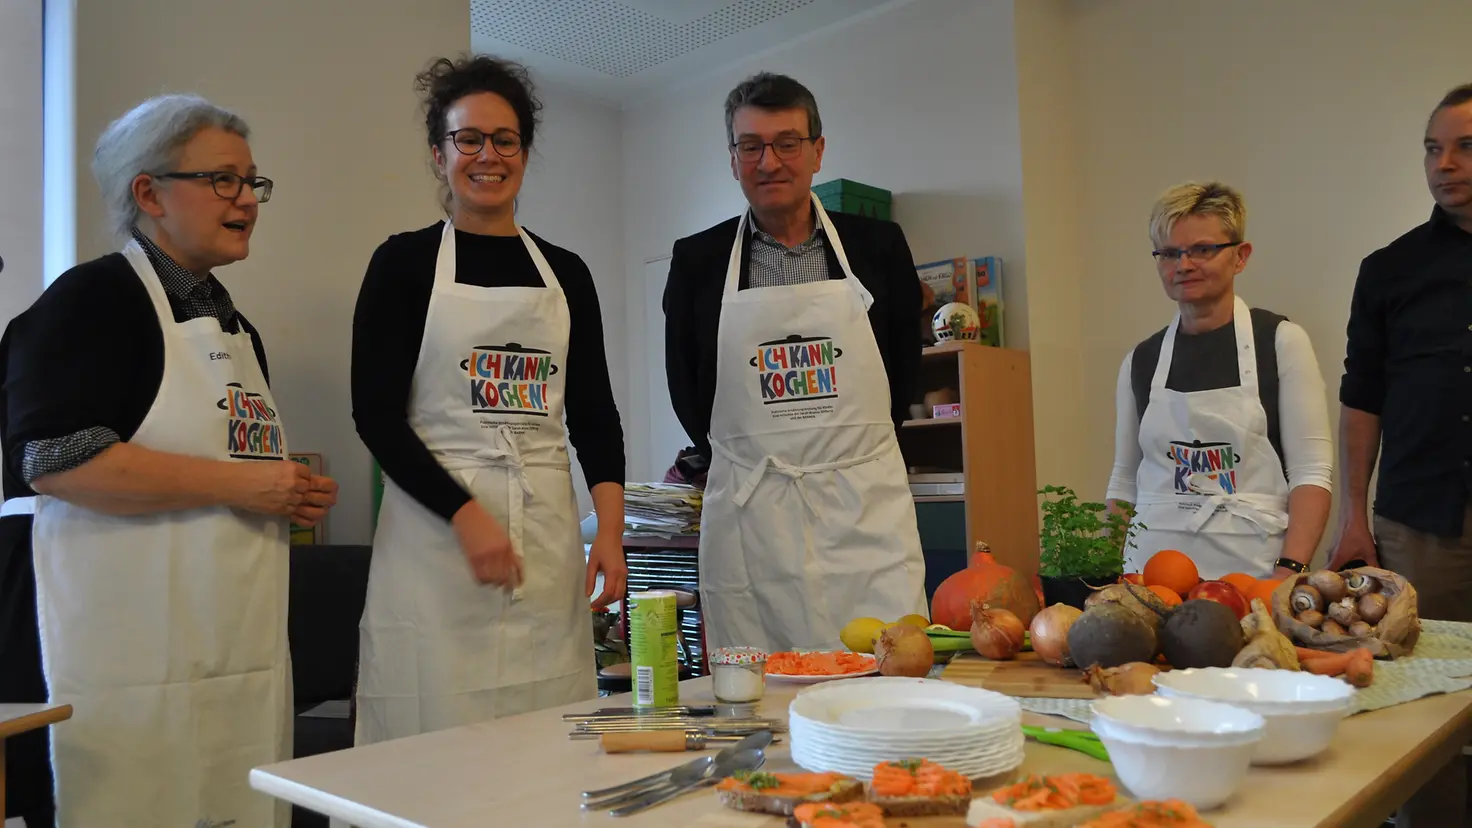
(1303, 416)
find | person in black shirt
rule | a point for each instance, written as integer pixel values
(1406, 395)
(1407, 387)
(471, 339)
(134, 401)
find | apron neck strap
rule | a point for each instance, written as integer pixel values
(733, 264)
(1245, 349)
(444, 264)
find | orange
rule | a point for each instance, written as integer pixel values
(1263, 589)
(1166, 594)
(1172, 569)
(1242, 581)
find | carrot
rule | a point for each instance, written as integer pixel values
(1361, 669)
(1328, 665)
(1305, 654)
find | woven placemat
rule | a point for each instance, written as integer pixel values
(1442, 663)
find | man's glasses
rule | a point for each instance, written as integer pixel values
(750, 151)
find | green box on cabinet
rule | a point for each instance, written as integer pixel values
(843, 196)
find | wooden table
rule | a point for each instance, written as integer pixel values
(16, 719)
(524, 770)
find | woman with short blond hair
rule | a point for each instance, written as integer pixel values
(1222, 431)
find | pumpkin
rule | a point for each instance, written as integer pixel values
(985, 580)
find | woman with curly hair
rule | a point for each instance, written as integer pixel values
(472, 339)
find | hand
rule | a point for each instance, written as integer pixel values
(270, 487)
(607, 556)
(487, 547)
(1354, 543)
(1283, 573)
(321, 495)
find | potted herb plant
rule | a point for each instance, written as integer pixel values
(1082, 545)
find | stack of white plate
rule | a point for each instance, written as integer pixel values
(852, 725)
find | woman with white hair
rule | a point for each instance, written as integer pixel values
(148, 491)
(1222, 432)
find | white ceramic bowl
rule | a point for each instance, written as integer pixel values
(1182, 721)
(1301, 711)
(1197, 769)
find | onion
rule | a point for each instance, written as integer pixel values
(1050, 634)
(903, 650)
(995, 633)
(1133, 679)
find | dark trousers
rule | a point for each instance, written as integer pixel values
(1441, 571)
(28, 787)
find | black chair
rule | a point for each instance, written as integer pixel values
(328, 587)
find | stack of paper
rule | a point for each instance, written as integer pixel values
(661, 510)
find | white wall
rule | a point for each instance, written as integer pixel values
(20, 156)
(919, 98)
(329, 96)
(1316, 116)
(570, 198)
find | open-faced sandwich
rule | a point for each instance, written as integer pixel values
(1172, 813)
(1058, 801)
(828, 815)
(781, 793)
(919, 787)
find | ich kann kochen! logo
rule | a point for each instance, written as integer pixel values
(508, 379)
(254, 432)
(1204, 468)
(797, 369)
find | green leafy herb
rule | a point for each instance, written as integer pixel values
(1083, 539)
(910, 765)
(757, 779)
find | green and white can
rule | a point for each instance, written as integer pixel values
(654, 649)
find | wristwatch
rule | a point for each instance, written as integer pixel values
(1289, 563)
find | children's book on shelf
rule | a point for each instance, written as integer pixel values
(976, 282)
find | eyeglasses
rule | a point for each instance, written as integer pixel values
(470, 141)
(787, 147)
(1197, 252)
(229, 185)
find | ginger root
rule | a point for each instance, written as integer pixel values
(1266, 647)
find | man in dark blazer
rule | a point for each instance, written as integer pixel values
(777, 191)
(792, 346)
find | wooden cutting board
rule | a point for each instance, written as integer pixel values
(1027, 675)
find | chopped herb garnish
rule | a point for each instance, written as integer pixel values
(910, 765)
(757, 779)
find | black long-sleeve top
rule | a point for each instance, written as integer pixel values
(388, 329)
(881, 260)
(1409, 360)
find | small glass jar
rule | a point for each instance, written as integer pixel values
(739, 674)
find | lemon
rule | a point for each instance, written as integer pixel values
(919, 622)
(860, 633)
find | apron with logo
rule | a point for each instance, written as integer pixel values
(1211, 484)
(808, 521)
(167, 632)
(438, 649)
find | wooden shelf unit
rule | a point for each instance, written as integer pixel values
(991, 443)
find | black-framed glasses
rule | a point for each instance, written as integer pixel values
(229, 185)
(1197, 252)
(788, 147)
(470, 141)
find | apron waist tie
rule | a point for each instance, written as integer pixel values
(508, 457)
(1269, 514)
(796, 473)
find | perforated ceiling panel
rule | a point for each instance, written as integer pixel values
(618, 39)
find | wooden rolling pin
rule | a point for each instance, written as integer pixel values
(663, 741)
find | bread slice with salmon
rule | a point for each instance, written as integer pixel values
(780, 794)
(919, 787)
(829, 815)
(1058, 801)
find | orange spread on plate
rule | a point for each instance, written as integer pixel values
(1056, 793)
(818, 664)
(917, 777)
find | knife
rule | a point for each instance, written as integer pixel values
(725, 765)
(665, 741)
(607, 712)
(759, 739)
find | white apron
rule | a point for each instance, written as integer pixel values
(437, 648)
(1211, 484)
(167, 632)
(808, 521)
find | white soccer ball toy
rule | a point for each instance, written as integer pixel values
(956, 321)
